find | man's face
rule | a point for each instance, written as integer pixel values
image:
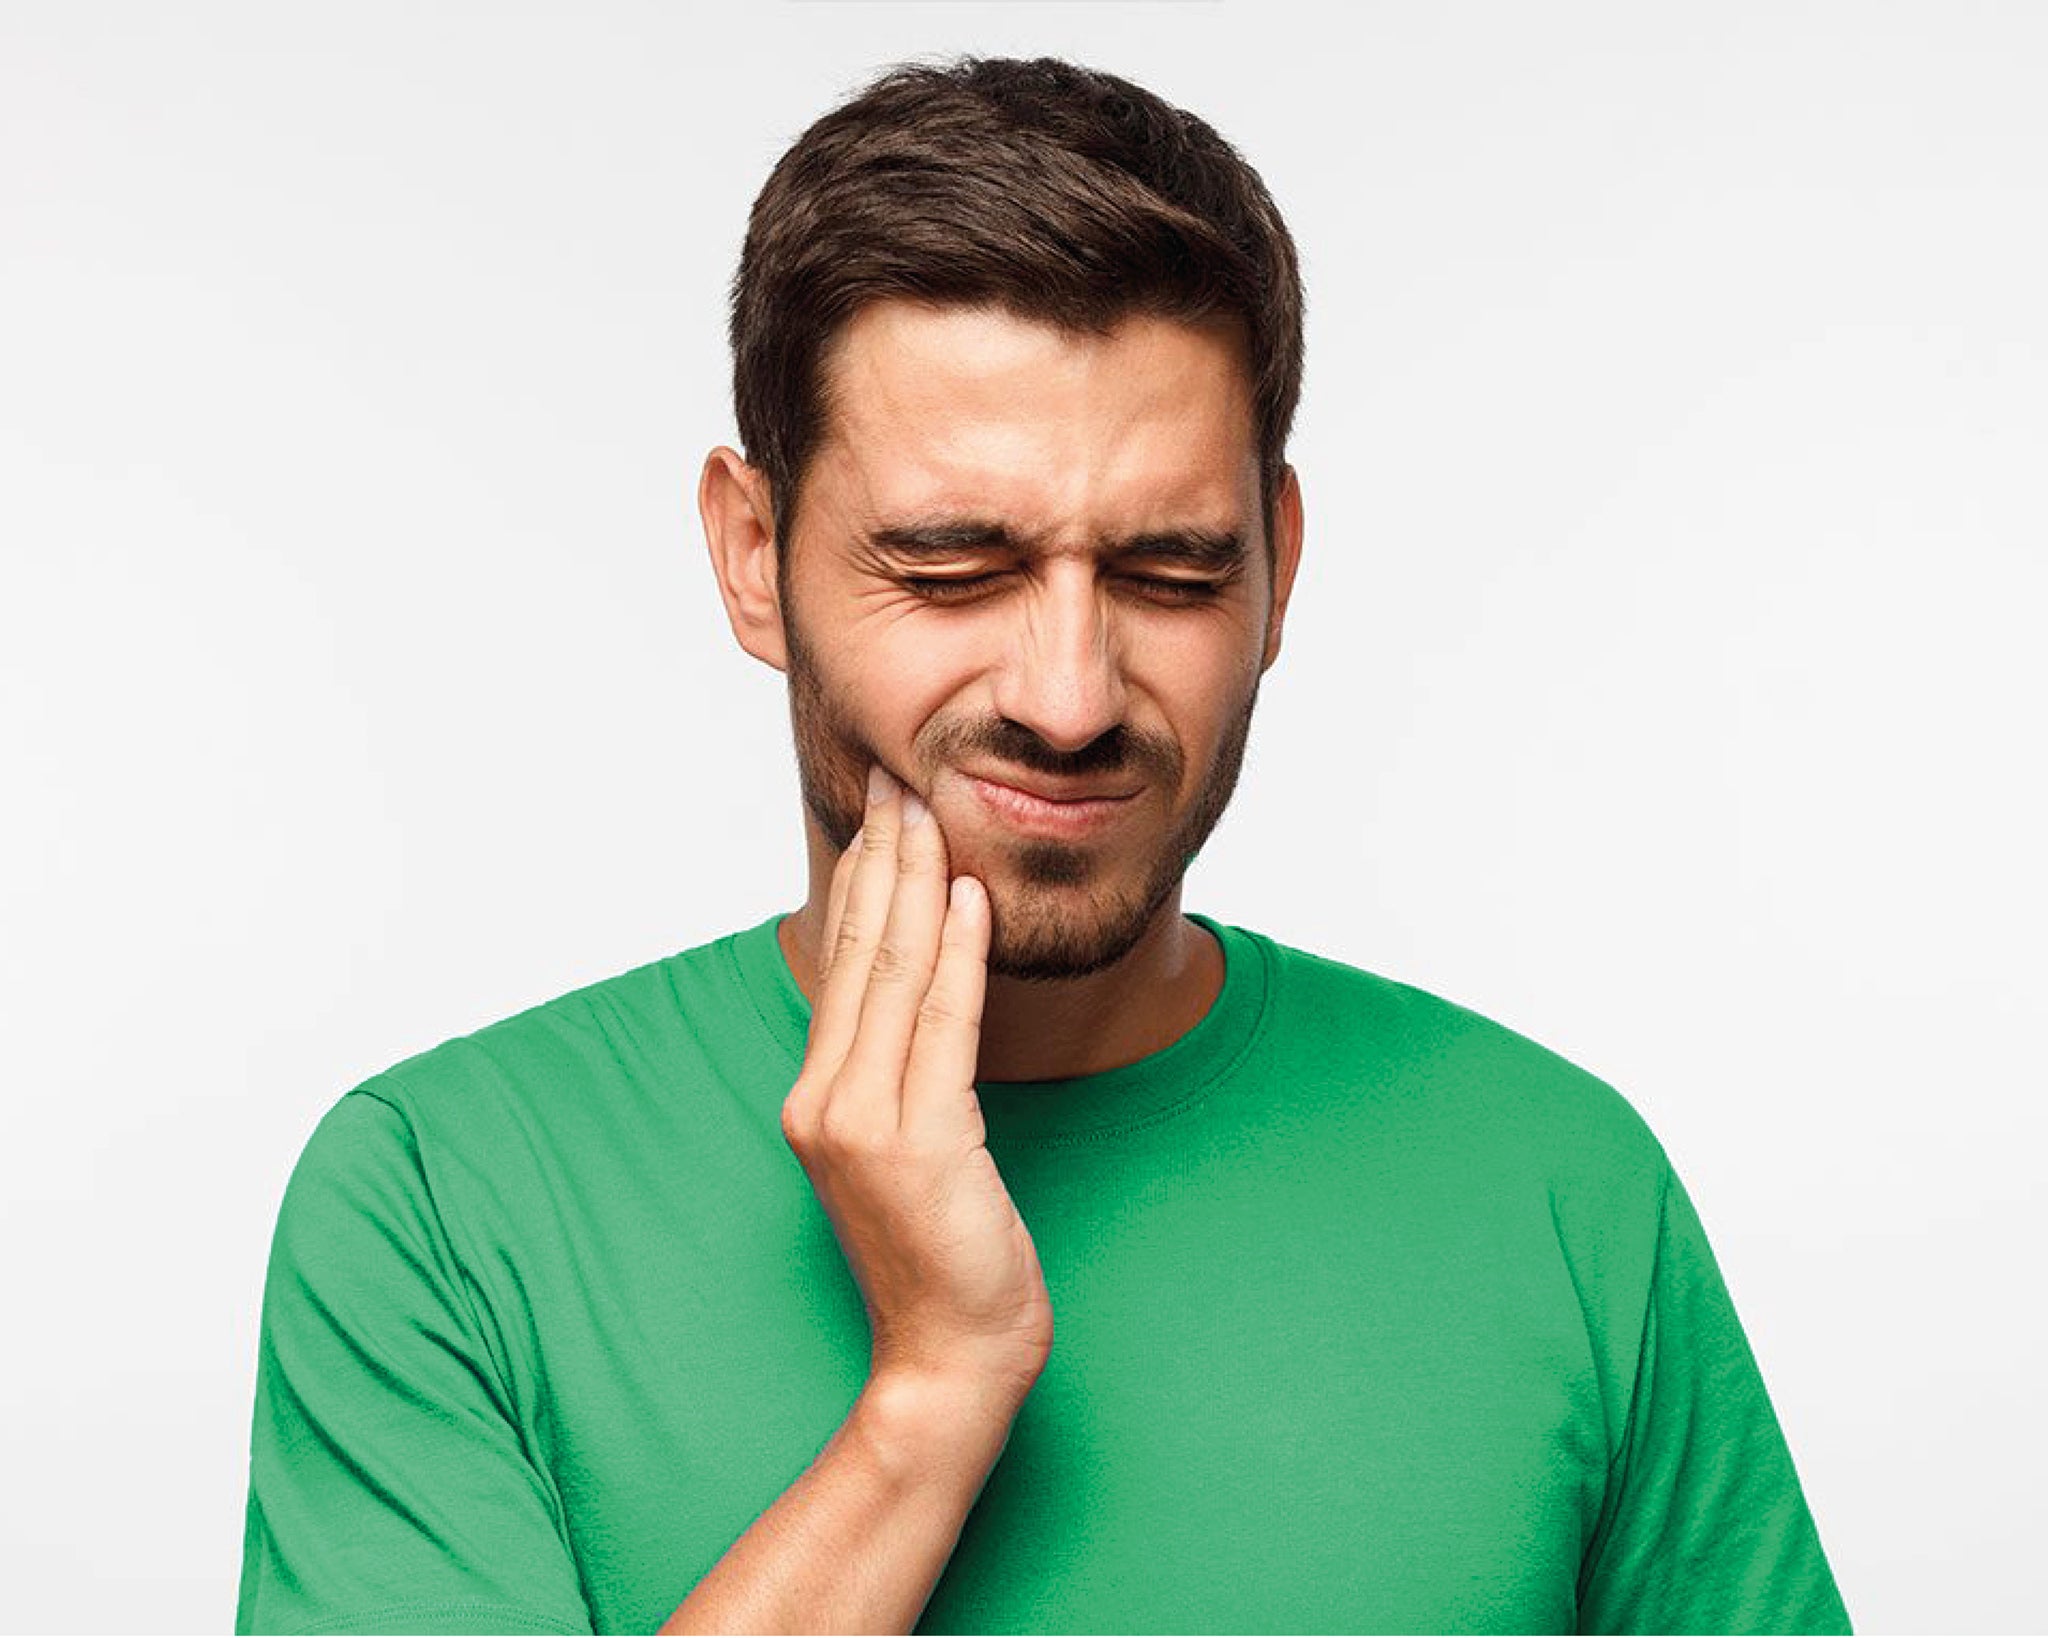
(1031, 559)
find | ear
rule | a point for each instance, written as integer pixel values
(739, 528)
(1286, 526)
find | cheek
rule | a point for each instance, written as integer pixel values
(1202, 682)
(902, 675)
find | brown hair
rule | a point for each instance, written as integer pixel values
(1061, 193)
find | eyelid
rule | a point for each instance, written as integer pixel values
(939, 588)
(1180, 587)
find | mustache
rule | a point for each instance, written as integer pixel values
(1012, 745)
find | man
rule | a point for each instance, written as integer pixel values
(988, 1245)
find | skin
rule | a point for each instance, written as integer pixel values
(1068, 662)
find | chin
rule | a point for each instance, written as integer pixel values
(1046, 932)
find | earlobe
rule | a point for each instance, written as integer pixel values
(739, 530)
(1287, 532)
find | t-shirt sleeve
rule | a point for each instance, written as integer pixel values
(390, 1488)
(1705, 1527)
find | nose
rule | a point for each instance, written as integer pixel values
(1062, 676)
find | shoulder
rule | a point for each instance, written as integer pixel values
(620, 1036)
(1441, 1067)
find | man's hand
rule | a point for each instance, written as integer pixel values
(884, 1119)
(885, 1122)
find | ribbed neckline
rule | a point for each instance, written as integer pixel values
(1087, 1106)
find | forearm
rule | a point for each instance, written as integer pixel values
(857, 1543)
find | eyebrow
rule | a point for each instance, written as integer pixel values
(1215, 550)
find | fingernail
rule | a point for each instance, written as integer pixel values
(878, 784)
(914, 810)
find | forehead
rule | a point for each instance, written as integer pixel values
(933, 409)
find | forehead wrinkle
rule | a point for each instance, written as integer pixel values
(1047, 501)
(1080, 440)
(946, 536)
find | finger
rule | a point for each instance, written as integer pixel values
(835, 903)
(901, 970)
(835, 911)
(871, 885)
(947, 1048)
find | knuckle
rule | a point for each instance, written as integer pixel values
(892, 966)
(939, 1012)
(848, 1135)
(920, 847)
(848, 938)
(799, 1119)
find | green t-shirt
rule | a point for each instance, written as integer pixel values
(1370, 1315)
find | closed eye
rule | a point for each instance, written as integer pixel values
(951, 586)
(1181, 590)
(958, 588)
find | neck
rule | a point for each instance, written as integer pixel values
(1051, 1030)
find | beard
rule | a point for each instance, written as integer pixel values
(1057, 911)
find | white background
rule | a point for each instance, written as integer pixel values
(1665, 674)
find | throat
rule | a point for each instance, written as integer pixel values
(1035, 1031)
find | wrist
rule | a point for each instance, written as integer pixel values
(915, 1423)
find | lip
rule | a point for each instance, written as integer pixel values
(1047, 816)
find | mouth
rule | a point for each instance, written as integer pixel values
(1044, 814)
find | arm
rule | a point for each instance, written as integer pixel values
(393, 1487)
(885, 1122)
(857, 1543)
(1706, 1527)
(887, 1129)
